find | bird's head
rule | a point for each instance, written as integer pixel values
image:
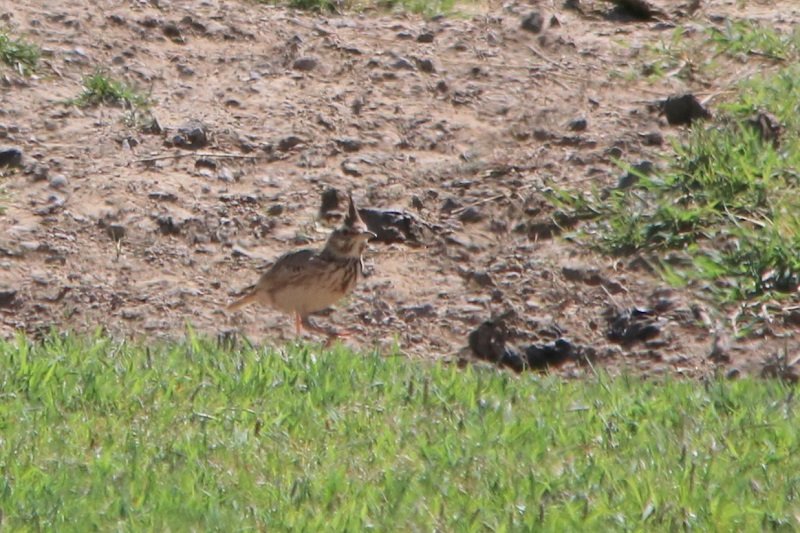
(349, 239)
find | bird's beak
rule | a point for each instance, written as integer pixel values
(368, 235)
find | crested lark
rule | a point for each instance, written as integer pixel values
(308, 281)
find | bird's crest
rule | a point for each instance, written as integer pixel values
(352, 219)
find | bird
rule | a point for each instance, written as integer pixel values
(306, 281)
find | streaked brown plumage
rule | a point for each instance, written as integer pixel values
(308, 281)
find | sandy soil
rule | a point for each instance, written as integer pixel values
(461, 122)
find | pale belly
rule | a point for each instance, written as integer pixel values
(312, 298)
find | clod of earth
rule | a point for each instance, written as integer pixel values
(684, 109)
(10, 157)
(58, 181)
(578, 124)
(630, 178)
(627, 326)
(767, 126)
(305, 64)
(489, 342)
(389, 226)
(289, 142)
(116, 232)
(7, 297)
(533, 22)
(192, 134)
(639, 9)
(780, 367)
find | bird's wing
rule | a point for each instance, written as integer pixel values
(289, 267)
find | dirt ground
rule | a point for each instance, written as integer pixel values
(461, 122)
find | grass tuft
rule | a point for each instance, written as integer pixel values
(18, 54)
(100, 89)
(725, 210)
(103, 434)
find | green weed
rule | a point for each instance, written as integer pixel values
(100, 89)
(725, 208)
(746, 37)
(18, 54)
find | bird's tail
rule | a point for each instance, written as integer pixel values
(247, 299)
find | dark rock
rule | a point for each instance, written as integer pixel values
(778, 366)
(489, 343)
(10, 157)
(425, 37)
(479, 277)
(631, 325)
(163, 196)
(131, 314)
(54, 203)
(578, 124)
(792, 318)
(720, 347)
(287, 143)
(37, 171)
(449, 205)
(653, 138)
(116, 232)
(305, 64)
(412, 312)
(767, 126)
(7, 296)
(590, 276)
(403, 64)
(393, 226)
(683, 109)
(544, 356)
(442, 86)
(193, 134)
(533, 22)
(350, 168)
(58, 181)
(275, 210)
(168, 225)
(331, 200)
(542, 135)
(348, 144)
(470, 215)
(388, 226)
(173, 32)
(226, 175)
(205, 162)
(425, 65)
(642, 168)
(582, 274)
(638, 9)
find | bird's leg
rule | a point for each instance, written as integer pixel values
(297, 324)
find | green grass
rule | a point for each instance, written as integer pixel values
(103, 435)
(101, 89)
(18, 54)
(726, 207)
(750, 38)
(706, 54)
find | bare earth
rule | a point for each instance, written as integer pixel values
(464, 132)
